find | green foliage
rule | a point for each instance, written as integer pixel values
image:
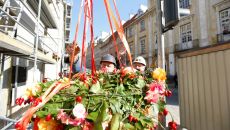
(112, 98)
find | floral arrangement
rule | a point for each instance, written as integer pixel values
(122, 100)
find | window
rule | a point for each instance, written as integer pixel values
(143, 46)
(142, 25)
(225, 21)
(130, 31)
(131, 48)
(184, 4)
(186, 33)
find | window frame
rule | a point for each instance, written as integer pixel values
(224, 17)
(186, 33)
(142, 25)
(143, 46)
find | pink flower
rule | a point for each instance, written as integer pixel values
(154, 92)
(79, 111)
(66, 119)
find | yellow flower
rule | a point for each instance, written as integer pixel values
(32, 91)
(64, 80)
(159, 74)
(47, 125)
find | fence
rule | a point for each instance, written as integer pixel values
(204, 87)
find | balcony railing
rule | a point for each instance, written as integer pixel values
(223, 37)
(187, 45)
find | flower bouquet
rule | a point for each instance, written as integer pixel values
(122, 100)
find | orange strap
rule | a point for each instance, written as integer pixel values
(111, 28)
(119, 28)
(75, 39)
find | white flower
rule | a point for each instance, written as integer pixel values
(79, 111)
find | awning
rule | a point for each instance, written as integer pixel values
(46, 16)
(13, 47)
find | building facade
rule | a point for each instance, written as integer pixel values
(206, 25)
(31, 43)
(140, 35)
(139, 31)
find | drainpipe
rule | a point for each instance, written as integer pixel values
(36, 42)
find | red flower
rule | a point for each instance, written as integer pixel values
(130, 118)
(172, 125)
(48, 117)
(168, 93)
(87, 126)
(165, 111)
(19, 101)
(78, 99)
(18, 126)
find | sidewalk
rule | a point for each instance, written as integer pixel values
(173, 105)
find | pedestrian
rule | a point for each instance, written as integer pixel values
(176, 80)
(69, 51)
(139, 64)
(108, 63)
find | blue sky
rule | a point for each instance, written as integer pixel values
(125, 7)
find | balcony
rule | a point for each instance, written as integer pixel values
(223, 37)
(46, 16)
(67, 25)
(187, 45)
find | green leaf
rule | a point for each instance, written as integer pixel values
(128, 126)
(95, 88)
(138, 126)
(115, 122)
(115, 105)
(140, 83)
(92, 116)
(42, 114)
(146, 122)
(101, 116)
(75, 128)
(53, 108)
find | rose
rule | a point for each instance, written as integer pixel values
(154, 92)
(32, 91)
(79, 111)
(47, 125)
(127, 70)
(159, 74)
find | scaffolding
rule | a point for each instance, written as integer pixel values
(11, 12)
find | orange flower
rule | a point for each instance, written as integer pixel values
(127, 70)
(48, 125)
(159, 74)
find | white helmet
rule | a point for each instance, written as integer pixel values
(141, 60)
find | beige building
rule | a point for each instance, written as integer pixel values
(140, 35)
(207, 24)
(139, 31)
(98, 52)
(197, 49)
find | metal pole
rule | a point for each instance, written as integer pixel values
(160, 37)
(160, 53)
(36, 42)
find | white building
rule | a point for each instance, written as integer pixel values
(21, 32)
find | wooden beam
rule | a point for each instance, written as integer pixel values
(201, 51)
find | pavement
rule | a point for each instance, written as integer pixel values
(173, 107)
